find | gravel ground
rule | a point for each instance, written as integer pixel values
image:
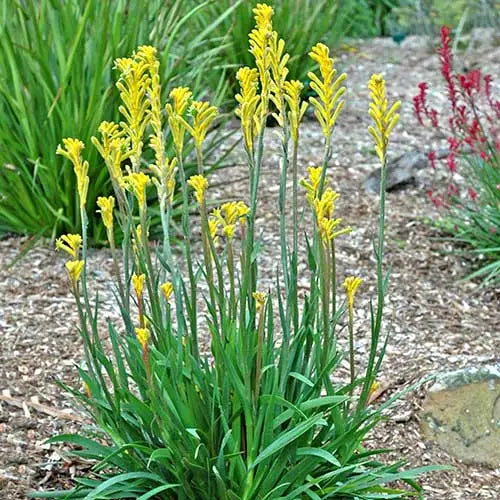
(438, 322)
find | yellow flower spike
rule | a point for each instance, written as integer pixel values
(259, 39)
(203, 116)
(248, 101)
(74, 268)
(138, 284)
(137, 182)
(167, 288)
(114, 149)
(200, 185)
(329, 89)
(213, 225)
(106, 206)
(143, 336)
(165, 178)
(325, 206)
(384, 120)
(260, 299)
(180, 97)
(70, 243)
(109, 131)
(312, 184)
(228, 215)
(351, 285)
(136, 244)
(263, 16)
(292, 92)
(72, 151)
(242, 210)
(134, 84)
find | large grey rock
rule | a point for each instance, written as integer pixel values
(401, 171)
(462, 414)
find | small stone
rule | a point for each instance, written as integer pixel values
(462, 414)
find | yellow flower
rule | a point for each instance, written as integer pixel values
(106, 206)
(74, 268)
(165, 178)
(114, 149)
(134, 84)
(329, 89)
(200, 185)
(69, 243)
(167, 288)
(242, 210)
(136, 244)
(327, 229)
(325, 206)
(137, 182)
(72, 150)
(248, 101)
(384, 120)
(312, 184)
(292, 92)
(351, 285)
(138, 284)
(203, 115)
(213, 225)
(260, 299)
(228, 215)
(143, 336)
(259, 39)
(180, 97)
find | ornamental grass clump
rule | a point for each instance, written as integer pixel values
(259, 417)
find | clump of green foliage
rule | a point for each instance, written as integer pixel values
(260, 417)
(56, 80)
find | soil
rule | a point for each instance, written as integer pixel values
(438, 322)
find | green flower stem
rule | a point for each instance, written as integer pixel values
(189, 258)
(380, 294)
(351, 347)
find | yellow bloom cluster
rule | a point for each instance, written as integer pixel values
(167, 288)
(106, 206)
(143, 336)
(138, 284)
(312, 184)
(75, 268)
(384, 119)
(71, 243)
(248, 101)
(259, 39)
(292, 91)
(114, 148)
(134, 84)
(180, 97)
(324, 209)
(228, 214)
(72, 151)
(329, 89)
(137, 182)
(351, 285)
(203, 116)
(200, 185)
(260, 299)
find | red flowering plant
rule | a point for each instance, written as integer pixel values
(471, 127)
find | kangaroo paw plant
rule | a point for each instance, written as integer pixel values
(259, 417)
